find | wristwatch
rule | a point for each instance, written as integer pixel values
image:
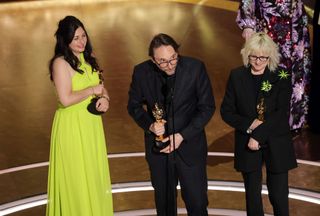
(249, 131)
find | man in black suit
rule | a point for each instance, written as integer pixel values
(182, 87)
(256, 104)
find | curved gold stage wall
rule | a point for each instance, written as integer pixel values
(120, 32)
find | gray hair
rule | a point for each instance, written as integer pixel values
(261, 42)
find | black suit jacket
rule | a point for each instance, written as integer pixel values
(193, 104)
(238, 109)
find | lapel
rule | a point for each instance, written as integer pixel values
(249, 90)
(154, 84)
(179, 80)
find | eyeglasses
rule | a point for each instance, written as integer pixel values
(165, 64)
(261, 58)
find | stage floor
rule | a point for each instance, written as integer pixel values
(120, 32)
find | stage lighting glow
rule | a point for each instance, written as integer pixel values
(298, 194)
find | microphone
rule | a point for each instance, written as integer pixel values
(169, 89)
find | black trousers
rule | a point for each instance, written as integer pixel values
(278, 191)
(165, 171)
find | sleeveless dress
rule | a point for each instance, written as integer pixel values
(79, 180)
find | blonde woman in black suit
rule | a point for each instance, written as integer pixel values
(256, 104)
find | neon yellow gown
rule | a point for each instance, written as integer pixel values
(79, 180)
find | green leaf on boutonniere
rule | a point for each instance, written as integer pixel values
(266, 86)
(283, 74)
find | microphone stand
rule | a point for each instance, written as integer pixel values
(174, 154)
(172, 158)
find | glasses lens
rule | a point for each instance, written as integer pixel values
(263, 59)
(173, 61)
(255, 58)
(163, 64)
(166, 63)
(252, 58)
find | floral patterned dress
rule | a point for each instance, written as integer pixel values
(286, 22)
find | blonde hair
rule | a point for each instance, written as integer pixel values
(261, 42)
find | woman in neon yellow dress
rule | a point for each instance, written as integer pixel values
(79, 181)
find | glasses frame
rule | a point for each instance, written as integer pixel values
(261, 58)
(166, 63)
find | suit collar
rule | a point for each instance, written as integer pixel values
(179, 77)
(155, 82)
(248, 87)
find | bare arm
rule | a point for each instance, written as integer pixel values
(105, 94)
(103, 103)
(62, 78)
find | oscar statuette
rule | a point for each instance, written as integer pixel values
(261, 108)
(158, 113)
(92, 105)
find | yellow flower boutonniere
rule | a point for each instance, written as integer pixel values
(283, 74)
(266, 86)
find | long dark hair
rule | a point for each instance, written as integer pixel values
(64, 35)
